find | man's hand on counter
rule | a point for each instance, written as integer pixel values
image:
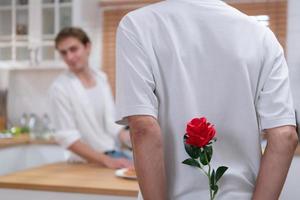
(92, 156)
(114, 163)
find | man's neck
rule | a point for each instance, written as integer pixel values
(86, 77)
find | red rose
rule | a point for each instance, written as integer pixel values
(199, 132)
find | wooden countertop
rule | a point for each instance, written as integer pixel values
(22, 139)
(77, 178)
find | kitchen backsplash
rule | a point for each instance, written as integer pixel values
(27, 92)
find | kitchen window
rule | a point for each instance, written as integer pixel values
(28, 29)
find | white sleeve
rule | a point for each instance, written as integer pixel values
(275, 104)
(135, 83)
(62, 114)
(109, 112)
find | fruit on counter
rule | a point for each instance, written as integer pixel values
(15, 131)
(25, 130)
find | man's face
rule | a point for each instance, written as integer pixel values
(74, 53)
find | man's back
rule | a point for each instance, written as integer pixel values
(193, 58)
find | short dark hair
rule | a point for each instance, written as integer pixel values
(75, 32)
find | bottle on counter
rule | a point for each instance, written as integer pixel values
(32, 125)
(3, 113)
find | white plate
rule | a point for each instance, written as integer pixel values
(121, 173)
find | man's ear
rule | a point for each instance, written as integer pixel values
(88, 46)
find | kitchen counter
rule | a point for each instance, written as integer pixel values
(69, 178)
(23, 139)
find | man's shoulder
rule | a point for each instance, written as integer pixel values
(146, 10)
(147, 16)
(60, 82)
(100, 74)
(142, 16)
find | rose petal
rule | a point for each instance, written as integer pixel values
(203, 120)
(195, 121)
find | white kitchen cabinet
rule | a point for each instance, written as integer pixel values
(28, 29)
(21, 157)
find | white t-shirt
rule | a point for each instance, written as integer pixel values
(181, 59)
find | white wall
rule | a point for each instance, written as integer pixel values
(3, 78)
(28, 91)
(87, 16)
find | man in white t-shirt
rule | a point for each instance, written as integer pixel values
(82, 107)
(181, 59)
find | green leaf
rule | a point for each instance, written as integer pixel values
(209, 152)
(206, 154)
(212, 179)
(191, 162)
(215, 189)
(203, 158)
(213, 184)
(192, 151)
(220, 172)
(212, 141)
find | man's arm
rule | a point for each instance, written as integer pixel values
(282, 142)
(148, 156)
(89, 154)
